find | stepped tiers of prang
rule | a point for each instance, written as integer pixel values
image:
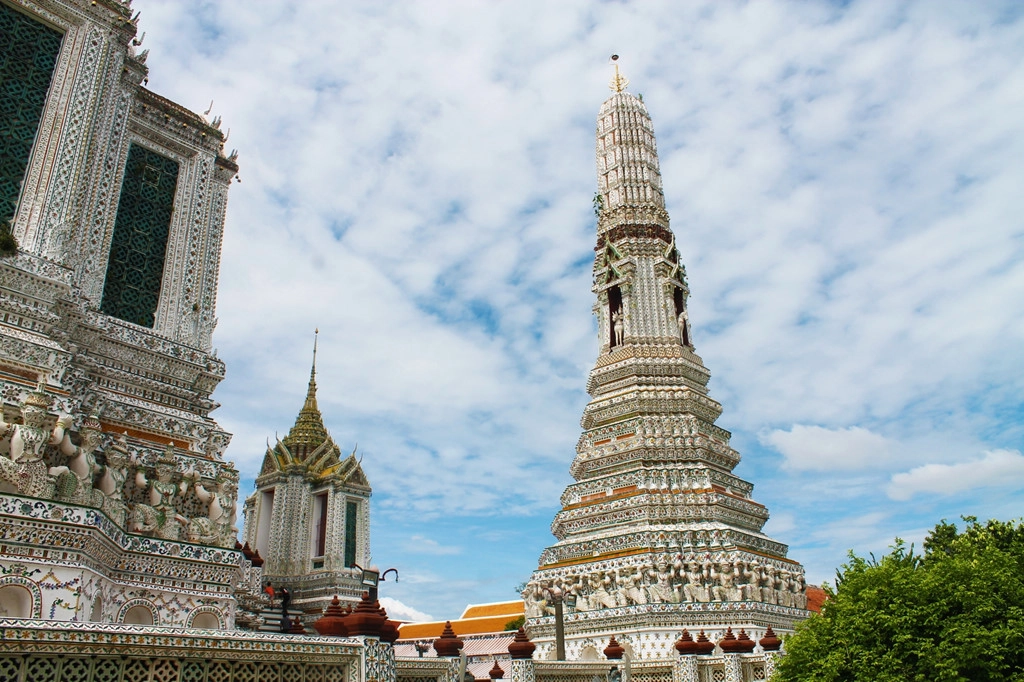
(656, 533)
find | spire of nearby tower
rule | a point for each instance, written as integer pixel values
(655, 516)
(628, 175)
(308, 433)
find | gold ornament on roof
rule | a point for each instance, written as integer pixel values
(309, 432)
(618, 82)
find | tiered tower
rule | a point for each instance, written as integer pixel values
(116, 504)
(656, 534)
(310, 515)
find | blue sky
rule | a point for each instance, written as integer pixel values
(844, 184)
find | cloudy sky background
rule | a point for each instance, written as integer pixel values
(844, 181)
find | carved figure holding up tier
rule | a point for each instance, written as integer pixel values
(633, 587)
(218, 526)
(25, 471)
(111, 482)
(726, 589)
(782, 590)
(533, 599)
(574, 587)
(766, 579)
(600, 597)
(694, 589)
(746, 580)
(74, 482)
(799, 589)
(661, 586)
(159, 518)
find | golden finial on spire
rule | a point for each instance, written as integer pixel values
(316, 336)
(618, 82)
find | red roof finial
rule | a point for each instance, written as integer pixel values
(614, 650)
(685, 645)
(521, 646)
(770, 642)
(448, 644)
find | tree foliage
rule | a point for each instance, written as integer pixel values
(955, 612)
(515, 624)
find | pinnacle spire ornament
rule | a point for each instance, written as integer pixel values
(618, 82)
(656, 533)
(309, 431)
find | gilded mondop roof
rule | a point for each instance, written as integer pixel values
(308, 433)
(310, 447)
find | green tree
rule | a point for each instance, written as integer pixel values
(515, 623)
(955, 612)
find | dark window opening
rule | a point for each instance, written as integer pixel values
(351, 512)
(28, 54)
(320, 530)
(136, 267)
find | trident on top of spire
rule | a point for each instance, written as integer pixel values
(618, 82)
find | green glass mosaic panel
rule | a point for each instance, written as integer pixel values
(136, 267)
(351, 517)
(28, 53)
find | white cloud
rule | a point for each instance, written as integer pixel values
(843, 180)
(399, 611)
(421, 545)
(814, 448)
(998, 468)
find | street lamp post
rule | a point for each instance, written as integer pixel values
(558, 598)
(371, 578)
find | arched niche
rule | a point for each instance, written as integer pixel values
(15, 602)
(20, 598)
(206, 618)
(137, 612)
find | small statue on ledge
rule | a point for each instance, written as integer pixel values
(111, 482)
(159, 518)
(24, 471)
(218, 526)
(74, 482)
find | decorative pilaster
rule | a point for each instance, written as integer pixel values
(733, 668)
(451, 673)
(523, 670)
(684, 669)
(378, 661)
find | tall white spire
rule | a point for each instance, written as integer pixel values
(656, 533)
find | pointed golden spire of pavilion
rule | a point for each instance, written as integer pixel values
(618, 82)
(309, 432)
